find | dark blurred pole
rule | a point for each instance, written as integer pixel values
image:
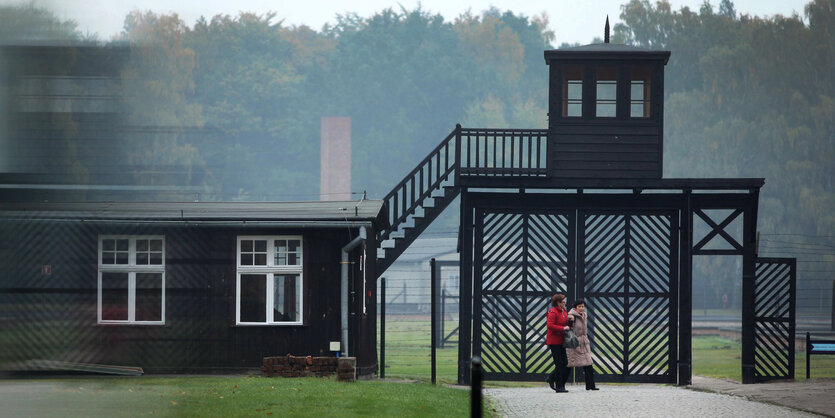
(382, 328)
(832, 306)
(434, 319)
(475, 388)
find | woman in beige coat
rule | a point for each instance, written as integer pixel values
(580, 356)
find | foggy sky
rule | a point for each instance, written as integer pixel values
(572, 20)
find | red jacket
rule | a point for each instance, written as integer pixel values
(557, 320)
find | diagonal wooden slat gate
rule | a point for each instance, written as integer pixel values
(622, 263)
(524, 261)
(627, 274)
(774, 321)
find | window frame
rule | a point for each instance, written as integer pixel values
(131, 269)
(270, 270)
(602, 79)
(645, 75)
(572, 75)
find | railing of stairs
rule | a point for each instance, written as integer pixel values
(464, 152)
(438, 167)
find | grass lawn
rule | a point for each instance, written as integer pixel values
(227, 396)
(408, 355)
(720, 357)
(408, 350)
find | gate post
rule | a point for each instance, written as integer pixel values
(749, 232)
(685, 291)
(465, 290)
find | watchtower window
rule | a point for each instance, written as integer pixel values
(572, 91)
(639, 93)
(607, 89)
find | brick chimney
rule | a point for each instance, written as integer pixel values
(335, 180)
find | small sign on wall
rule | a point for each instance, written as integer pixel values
(46, 270)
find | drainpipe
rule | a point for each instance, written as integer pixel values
(344, 287)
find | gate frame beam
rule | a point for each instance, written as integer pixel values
(749, 260)
(687, 203)
(465, 288)
(685, 292)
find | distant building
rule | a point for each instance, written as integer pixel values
(408, 279)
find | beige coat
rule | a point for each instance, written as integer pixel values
(581, 355)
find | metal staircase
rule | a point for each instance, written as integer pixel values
(464, 154)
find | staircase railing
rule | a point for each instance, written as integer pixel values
(465, 152)
(503, 152)
(418, 185)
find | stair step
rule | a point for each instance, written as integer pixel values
(419, 218)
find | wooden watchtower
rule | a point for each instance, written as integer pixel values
(582, 208)
(606, 112)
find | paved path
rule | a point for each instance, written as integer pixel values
(815, 395)
(640, 400)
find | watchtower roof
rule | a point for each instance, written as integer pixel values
(606, 51)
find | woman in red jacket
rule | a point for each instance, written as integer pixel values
(557, 325)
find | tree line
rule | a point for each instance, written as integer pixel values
(745, 96)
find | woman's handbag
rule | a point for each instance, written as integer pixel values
(569, 340)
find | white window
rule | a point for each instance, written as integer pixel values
(131, 282)
(269, 280)
(607, 92)
(572, 91)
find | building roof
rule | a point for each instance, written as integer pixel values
(332, 211)
(607, 47)
(606, 51)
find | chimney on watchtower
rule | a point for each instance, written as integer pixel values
(335, 181)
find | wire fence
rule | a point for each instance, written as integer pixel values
(717, 280)
(717, 298)
(408, 347)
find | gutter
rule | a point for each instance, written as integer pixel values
(344, 286)
(233, 224)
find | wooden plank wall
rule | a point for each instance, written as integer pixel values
(613, 150)
(54, 316)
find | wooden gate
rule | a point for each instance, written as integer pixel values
(622, 263)
(627, 271)
(774, 311)
(524, 258)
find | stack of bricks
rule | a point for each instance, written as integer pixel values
(297, 366)
(347, 369)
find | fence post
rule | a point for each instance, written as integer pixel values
(442, 331)
(434, 317)
(458, 160)
(832, 306)
(808, 352)
(475, 388)
(382, 327)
